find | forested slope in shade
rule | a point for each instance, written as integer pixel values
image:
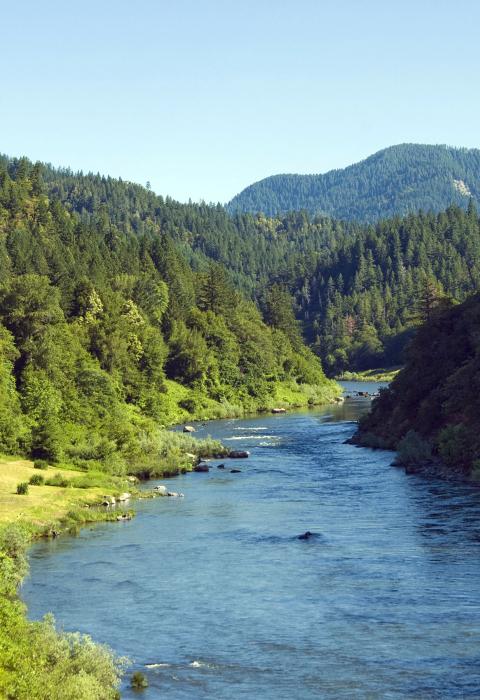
(431, 411)
(361, 302)
(395, 181)
(105, 335)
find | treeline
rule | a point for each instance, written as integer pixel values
(364, 299)
(105, 335)
(431, 411)
(395, 181)
(357, 289)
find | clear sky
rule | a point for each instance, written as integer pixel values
(204, 97)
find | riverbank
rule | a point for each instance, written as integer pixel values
(62, 499)
(183, 404)
(386, 374)
(400, 549)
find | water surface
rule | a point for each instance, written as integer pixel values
(214, 596)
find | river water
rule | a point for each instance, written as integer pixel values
(214, 596)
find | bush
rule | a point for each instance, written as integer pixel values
(40, 464)
(57, 480)
(413, 449)
(139, 681)
(22, 488)
(36, 480)
(454, 445)
(375, 442)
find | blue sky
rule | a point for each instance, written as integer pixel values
(202, 98)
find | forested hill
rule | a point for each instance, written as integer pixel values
(355, 287)
(364, 298)
(395, 181)
(431, 411)
(106, 335)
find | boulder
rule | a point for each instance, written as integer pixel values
(189, 429)
(235, 471)
(124, 516)
(160, 490)
(239, 454)
(174, 494)
(279, 410)
(108, 501)
(220, 466)
(202, 467)
(124, 497)
(132, 479)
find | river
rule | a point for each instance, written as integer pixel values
(214, 596)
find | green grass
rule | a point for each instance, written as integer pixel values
(45, 504)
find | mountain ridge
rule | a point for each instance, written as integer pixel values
(397, 180)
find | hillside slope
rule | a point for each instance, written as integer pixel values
(395, 181)
(431, 411)
(105, 336)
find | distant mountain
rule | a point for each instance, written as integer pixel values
(397, 180)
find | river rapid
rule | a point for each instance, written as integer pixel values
(213, 596)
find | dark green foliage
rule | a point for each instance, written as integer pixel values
(412, 449)
(22, 488)
(395, 181)
(40, 464)
(366, 297)
(36, 480)
(433, 405)
(139, 681)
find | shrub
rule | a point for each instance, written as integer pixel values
(139, 681)
(454, 445)
(36, 480)
(40, 464)
(413, 449)
(376, 442)
(22, 488)
(57, 480)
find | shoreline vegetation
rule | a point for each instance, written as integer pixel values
(62, 498)
(430, 413)
(384, 374)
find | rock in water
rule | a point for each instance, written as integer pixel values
(202, 467)
(238, 454)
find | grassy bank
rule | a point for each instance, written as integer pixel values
(181, 403)
(38, 662)
(37, 499)
(383, 374)
(45, 504)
